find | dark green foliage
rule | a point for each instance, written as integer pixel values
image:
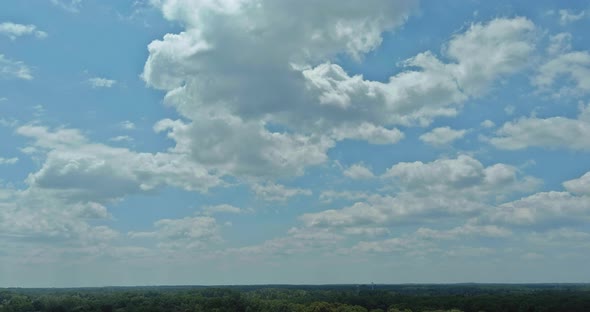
(278, 298)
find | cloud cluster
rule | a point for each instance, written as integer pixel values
(78, 179)
(457, 187)
(300, 104)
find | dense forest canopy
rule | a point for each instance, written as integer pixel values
(340, 298)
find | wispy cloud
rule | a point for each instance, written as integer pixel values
(8, 161)
(14, 69)
(68, 5)
(567, 17)
(127, 125)
(121, 138)
(98, 82)
(13, 31)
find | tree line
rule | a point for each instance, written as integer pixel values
(343, 298)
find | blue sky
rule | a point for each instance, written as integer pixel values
(246, 142)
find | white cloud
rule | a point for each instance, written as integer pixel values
(559, 44)
(436, 89)
(185, 233)
(331, 195)
(488, 124)
(38, 215)
(223, 208)
(98, 82)
(368, 132)
(560, 237)
(297, 241)
(358, 171)
(567, 17)
(509, 110)
(579, 186)
(553, 132)
(464, 172)
(127, 125)
(442, 136)
(546, 209)
(379, 211)
(367, 231)
(573, 65)
(443, 188)
(233, 146)
(277, 192)
(14, 69)
(8, 161)
(121, 138)
(467, 230)
(398, 245)
(426, 241)
(68, 5)
(14, 31)
(95, 172)
(297, 89)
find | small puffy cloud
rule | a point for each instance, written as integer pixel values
(358, 171)
(223, 208)
(442, 136)
(8, 161)
(98, 82)
(463, 171)
(579, 186)
(552, 132)
(567, 16)
(14, 69)
(277, 192)
(121, 138)
(509, 110)
(368, 132)
(14, 31)
(91, 210)
(127, 125)
(488, 124)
